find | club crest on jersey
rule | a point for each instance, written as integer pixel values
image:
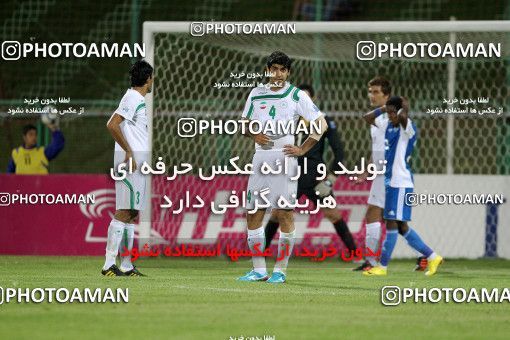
(263, 105)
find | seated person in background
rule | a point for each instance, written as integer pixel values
(30, 159)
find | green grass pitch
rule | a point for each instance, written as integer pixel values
(200, 299)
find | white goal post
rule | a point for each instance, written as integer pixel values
(326, 46)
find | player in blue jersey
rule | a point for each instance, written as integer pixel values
(400, 138)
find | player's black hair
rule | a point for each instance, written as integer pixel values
(383, 83)
(28, 128)
(307, 87)
(280, 58)
(395, 101)
(140, 72)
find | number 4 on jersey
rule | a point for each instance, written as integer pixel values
(272, 112)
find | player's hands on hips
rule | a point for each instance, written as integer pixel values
(261, 139)
(292, 150)
(129, 155)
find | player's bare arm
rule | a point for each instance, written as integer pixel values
(404, 112)
(113, 126)
(297, 151)
(372, 115)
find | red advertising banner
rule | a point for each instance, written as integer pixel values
(50, 215)
(33, 224)
(202, 226)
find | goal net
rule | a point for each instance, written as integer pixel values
(451, 145)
